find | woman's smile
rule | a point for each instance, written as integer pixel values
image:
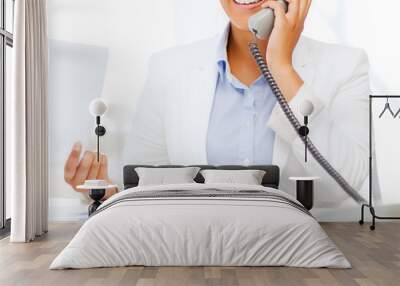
(248, 4)
(239, 11)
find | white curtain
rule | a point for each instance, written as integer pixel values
(28, 116)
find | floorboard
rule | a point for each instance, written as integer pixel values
(375, 257)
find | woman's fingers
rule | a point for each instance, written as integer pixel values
(88, 168)
(84, 167)
(280, 13)
(103, 171)
(298, 11)
(294, 11)
(94, 169)
(72, 162)
(304, 7)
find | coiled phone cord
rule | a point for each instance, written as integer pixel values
(255, 51)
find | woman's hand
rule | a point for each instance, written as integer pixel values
(282, 42)
(286, 33)
(76, 171)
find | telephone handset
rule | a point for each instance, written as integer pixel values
(261, 25)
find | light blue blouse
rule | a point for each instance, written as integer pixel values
(237, 132)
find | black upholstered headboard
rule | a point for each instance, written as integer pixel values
(271, 177)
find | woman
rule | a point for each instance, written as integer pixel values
(207, 103)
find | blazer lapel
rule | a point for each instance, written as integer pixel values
(197, 101)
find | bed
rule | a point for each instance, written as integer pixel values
(201, 224)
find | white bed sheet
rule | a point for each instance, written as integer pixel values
(200, 232)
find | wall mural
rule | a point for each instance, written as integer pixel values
(100, 48)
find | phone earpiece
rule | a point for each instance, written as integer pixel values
(261, 23)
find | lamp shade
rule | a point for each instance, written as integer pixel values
(97, 107)
(306, 108)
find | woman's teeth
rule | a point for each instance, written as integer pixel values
(247, 2)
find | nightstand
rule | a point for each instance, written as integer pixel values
(97, 190)
(305, 190)
(96, 195)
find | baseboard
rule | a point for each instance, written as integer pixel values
(61, 209)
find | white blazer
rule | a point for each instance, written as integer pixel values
(171, 119)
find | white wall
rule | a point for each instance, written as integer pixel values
(101, 48)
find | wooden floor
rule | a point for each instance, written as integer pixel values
(375, 257)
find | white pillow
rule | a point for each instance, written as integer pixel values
(165, 176)
(248, 177)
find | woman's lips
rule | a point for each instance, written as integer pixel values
(242, 4)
